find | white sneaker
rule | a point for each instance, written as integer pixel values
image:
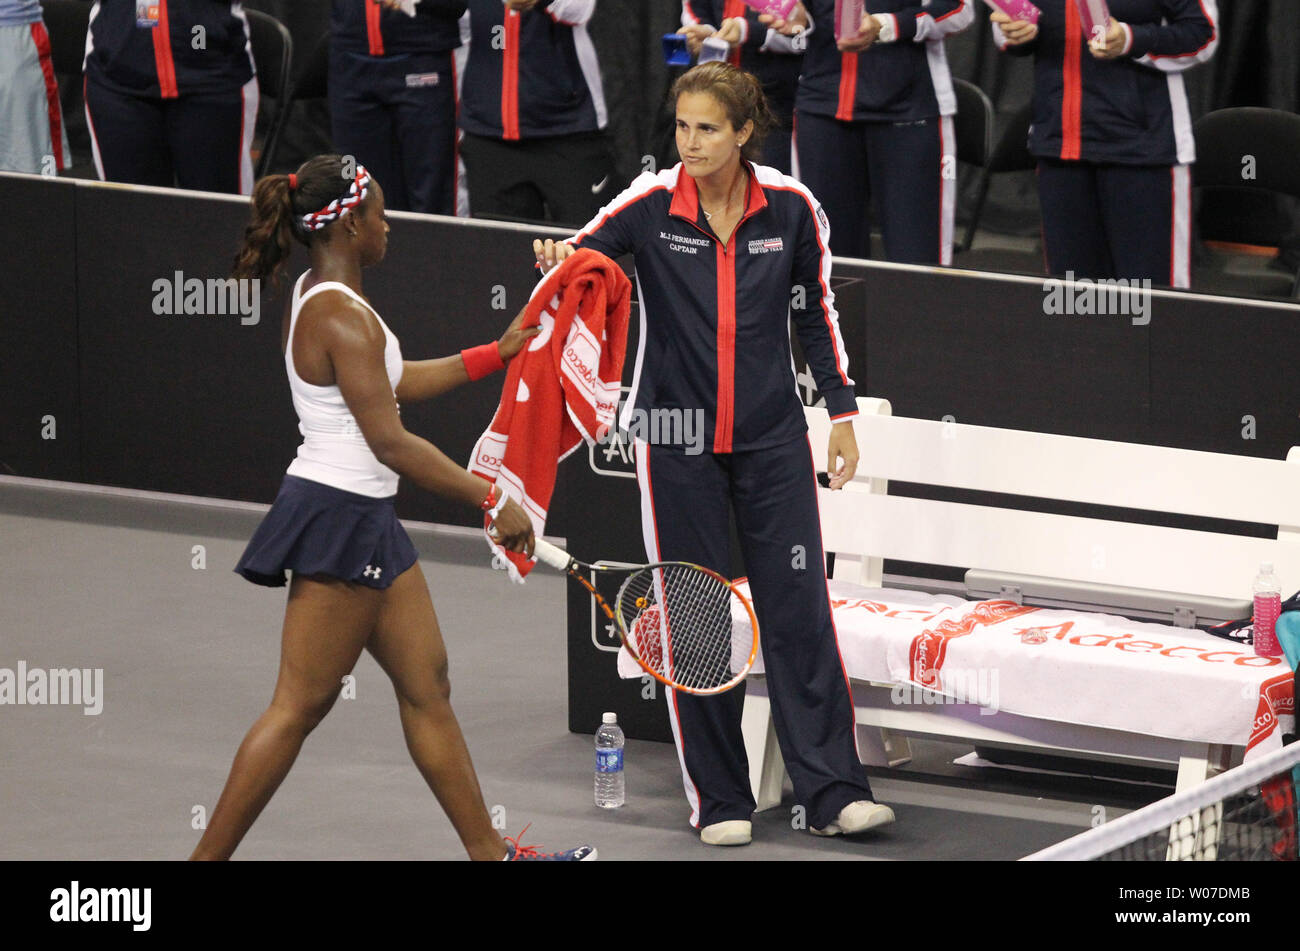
(731, 832)
(858, 817)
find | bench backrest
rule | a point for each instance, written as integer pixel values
(864, 520)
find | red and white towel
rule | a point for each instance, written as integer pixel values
(562, 389)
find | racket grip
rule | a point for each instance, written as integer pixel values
(548, 554)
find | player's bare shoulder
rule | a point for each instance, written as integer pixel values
(334, 328)
(335, 317)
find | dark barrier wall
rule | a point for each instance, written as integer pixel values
(200, 404)
(39, 409)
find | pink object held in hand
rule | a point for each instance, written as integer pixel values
(781, 9)
(1095, 16)
(1016, 9)
(848, 18)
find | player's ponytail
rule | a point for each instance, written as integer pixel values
(279, 204)
(739, 93)
(269, 235)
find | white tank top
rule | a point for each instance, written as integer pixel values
(333, 451)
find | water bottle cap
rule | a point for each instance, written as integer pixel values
(609, 718)
(1266, 568)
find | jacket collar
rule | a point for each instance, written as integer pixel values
(686, 195)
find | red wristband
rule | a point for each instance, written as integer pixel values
(490, 499)
(482, 361)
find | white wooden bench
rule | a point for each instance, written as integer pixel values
(1109, 563)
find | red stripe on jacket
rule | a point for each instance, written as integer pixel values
(1072, 86)
(726, 408)
(848, 86)
(510, 79)
(162, 54)
(373, 34)
(42, 41)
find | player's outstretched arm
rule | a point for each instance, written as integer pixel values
(425, 379)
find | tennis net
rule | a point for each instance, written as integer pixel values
(1242, 815)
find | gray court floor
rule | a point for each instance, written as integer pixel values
(142, 588)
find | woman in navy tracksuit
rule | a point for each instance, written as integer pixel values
(873, 119)
(534, 112)
(758, 49)
(726, 252)
(171, 94)
(392, 93)
(1113, 135)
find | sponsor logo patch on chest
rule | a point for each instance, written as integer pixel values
(764, 245)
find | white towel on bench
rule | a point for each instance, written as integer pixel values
(1071, 666)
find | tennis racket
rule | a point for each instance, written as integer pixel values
(686, 626)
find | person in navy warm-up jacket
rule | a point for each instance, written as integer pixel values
(1113, 135)
(533, 112)
(727, 252)
(873, 124)
(392, 93)
(171, 93)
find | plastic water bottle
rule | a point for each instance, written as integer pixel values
(1268, 605)
(609, 763)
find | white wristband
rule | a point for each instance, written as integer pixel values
(496, 509)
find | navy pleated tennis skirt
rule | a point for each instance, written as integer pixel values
(316, 529)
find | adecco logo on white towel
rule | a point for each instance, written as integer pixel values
(614, 455)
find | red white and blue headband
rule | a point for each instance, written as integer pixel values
(339, 206)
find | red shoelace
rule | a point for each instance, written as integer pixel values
(525, 851)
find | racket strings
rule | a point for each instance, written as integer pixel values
(679, 622)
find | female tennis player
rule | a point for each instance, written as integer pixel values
(726, 252)
(356, 581)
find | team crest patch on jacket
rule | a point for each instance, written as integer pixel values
(764, 245)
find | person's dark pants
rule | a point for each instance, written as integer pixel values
(198, 140)
(1116, 221)
(565, 179)
(898, 164)
(397, 115)
(685, 502)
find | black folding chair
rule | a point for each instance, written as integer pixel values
(273, 55)
(973, 126)
(1009, 154)
(1249, 148)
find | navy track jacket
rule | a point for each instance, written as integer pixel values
(715, 319)
(531, 74)
(904, 79)
(364, 26)
(1126, 111)
(172, 58)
